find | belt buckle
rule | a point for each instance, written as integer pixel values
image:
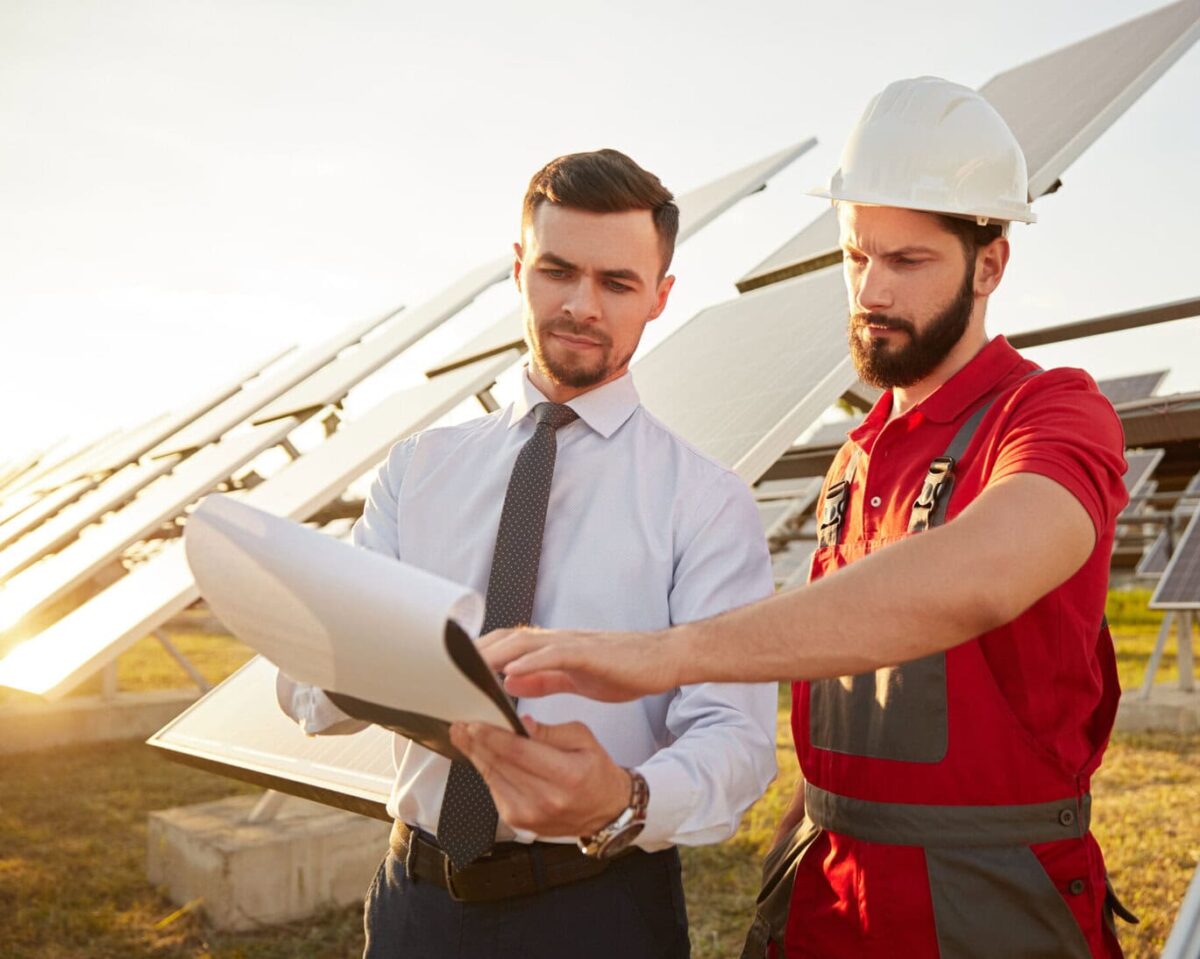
(448, 872)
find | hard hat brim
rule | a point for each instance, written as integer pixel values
(1022, 214)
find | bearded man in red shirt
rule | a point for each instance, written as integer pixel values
(955, 683)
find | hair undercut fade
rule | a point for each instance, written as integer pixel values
(605, 181)
(970, 234)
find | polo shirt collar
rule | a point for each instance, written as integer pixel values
(604, 409)
(954, 397)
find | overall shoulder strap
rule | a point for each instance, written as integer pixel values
(930, 507)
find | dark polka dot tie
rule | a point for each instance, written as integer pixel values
(467, 823)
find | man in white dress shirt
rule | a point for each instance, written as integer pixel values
(641, 531)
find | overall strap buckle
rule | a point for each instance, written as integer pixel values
(831, 516)
(938, 483)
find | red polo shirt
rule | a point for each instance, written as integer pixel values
(1056, 424)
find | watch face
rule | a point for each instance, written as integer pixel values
(620, 840)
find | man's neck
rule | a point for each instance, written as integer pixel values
(904, 398)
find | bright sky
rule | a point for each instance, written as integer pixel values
(188, 185)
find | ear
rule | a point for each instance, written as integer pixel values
(990, 262)
(660, 302)
(517, 254)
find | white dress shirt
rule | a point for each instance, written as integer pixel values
(642, 531)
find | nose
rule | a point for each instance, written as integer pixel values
(583, 301)
(871, 288)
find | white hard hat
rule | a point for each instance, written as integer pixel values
(929, 144)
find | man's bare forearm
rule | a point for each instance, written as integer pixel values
(916, 597)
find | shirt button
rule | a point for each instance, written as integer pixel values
(876, 501)
(1076, 887)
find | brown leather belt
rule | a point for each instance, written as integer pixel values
(510, 869)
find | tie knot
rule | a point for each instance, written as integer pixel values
(553, 414)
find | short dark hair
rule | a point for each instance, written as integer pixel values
(970, 234)
(605, 181)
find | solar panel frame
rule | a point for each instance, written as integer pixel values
(352, 772)
(697, 208)
(54, 577)
(134, 445)
(1141, 466)
(332, 382)
(60, 529)
(46, 507)
(243, 404)
(1179, 587)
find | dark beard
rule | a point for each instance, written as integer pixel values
(576, 377)
(910, 362)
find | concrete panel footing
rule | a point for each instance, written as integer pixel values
(307, 858)
(88, 719)
(1168, 708)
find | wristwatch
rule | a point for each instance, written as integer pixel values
(610, 839)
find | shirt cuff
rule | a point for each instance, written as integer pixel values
(312, 710)
(671, 799)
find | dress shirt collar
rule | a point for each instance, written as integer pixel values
(604, 408)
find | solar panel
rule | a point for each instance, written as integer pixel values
(56, 532)
(134, 445)
(1179, 587)
(1154, 561)
(833, 434)
(164, 499)
(332, 382)
(97, 631)
(804, 490)
(697, 208)
(202, 430)
(1056, 105)
(37, 513)
(1125, 389)
(78, 474)
(259, 744)
(741, 380)
(1141, 465)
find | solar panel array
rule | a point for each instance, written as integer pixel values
(74, 647)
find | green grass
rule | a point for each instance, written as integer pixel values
(73, 835)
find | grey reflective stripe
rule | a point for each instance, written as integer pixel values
(942, 827)
(898, 712)
(997, 902)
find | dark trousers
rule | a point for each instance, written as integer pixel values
(632, 910)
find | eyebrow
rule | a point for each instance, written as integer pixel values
(623, 273)
(901, 251)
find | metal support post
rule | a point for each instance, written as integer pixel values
(267, 807)
(1187, 665)
(184, 663)
(1156, 656)
(487, 401)
(108, 682)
